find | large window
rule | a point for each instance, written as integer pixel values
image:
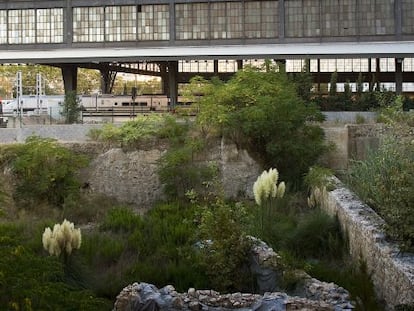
(330, 18)
(294, 18)
(302, 18)
(376, 17)
(347, 18)
(338, 17)
(3, 27)
(22, 26)
(120, 23)
(218, 20)
(88, 24)
(226, 20)
(192, 21)
(49, 25)
(270, 19)
(408, 17)
(153, 22)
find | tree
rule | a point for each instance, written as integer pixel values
(89, 81)
(71, 108)
(333, 87)
(304, 83)
(53, 84)
(262, 112)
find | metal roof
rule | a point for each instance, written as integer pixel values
(397, 49)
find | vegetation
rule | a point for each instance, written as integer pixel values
(71, 108)
(43, 171)
(30, 280)
(386, 178)
(140, 130)
(262, 112)
(360, 100)
(224, 246)
(197, 238)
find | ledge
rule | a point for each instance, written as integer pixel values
(392, 271)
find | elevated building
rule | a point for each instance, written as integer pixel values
(107, 34)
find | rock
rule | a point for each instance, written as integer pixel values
(265, 265)
(146, 297)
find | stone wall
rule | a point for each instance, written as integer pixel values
(131, 176)
(392, 271)
(350, 141)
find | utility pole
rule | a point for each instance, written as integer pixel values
(39, 91)
(19, 95)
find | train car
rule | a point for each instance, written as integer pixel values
(107, 102)
(33, 105)
(53, 104)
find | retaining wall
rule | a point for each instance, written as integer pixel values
(63, 132)
(392, 271)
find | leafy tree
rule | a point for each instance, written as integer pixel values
(360, 85)
(71, 108)
(89, 81)
(333, 87)
(304, 83)
(51, 75)
(262, 112)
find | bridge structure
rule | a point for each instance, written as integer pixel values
(167, 37)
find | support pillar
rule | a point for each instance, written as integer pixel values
(70, 77)
(376, 79)
(172, 83)
(398, 75)
(215, 64)
(107, 78)
(239, 64)
(164, 77)
(318, 75)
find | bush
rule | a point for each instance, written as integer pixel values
(180, 171)
(142, 129)
(157, 247)
(317, 235)
(224, 246)
(44, 171)
(385, 180)
(262, 112)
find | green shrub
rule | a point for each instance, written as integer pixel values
(317, 235)
(71, 107)
(121, 219)
(262, 112)
(44, 171)
(224, 247)
(319, 177)
(385, 182)
(141, 129)
(157, 247)
(385, 179)
(180, 170)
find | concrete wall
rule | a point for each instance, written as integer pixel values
(64, 133)
(350, 141)
(392, 271)
(348, 117)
